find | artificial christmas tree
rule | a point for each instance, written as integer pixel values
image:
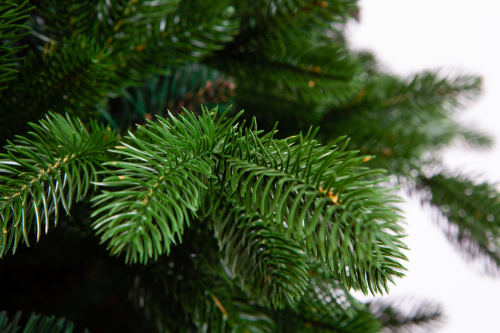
(142, 215)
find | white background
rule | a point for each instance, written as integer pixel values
(409, 36)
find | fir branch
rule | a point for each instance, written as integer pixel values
(268, 267)
(159, 185)
(262, 17)
(434, 95)
(197, 294)
(327, 307)
(55, 21)
(313, 71)
(67, 77)
(188, 86)
(36, 323)
(472, 215)
(239, 313)
(422, 316)
(135, 40)
(171, 35)
(54, 166)
(290, 41)
(343, 224)
(428, 90)
(412, 117)
(474, 139)
(123, 19)
(13, 27)
(321, 198)
(256, 215)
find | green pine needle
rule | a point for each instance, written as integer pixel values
(318, 197)
(36, 324)
(53, 167)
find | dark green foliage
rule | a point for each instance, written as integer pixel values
(36, 324)
(403, 135)
(88, 52)
(263, 15)
(327, 307)
(143, 37)
(189, 86)
(168, 167)
(326, 202)
(161, 176)
(13, 16)
(473, 213)
(211, 223)
(54, 167)
(272, 269)
(312, 71)
(316, 195)
(414, 123)
(418, 316)
(60, 79)
(198, 296)
(67, 274)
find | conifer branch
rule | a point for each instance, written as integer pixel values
(428, 90)
(321, 198)
(474, 139)
(269, 268)
(133, 41)
(472, 213)
(13, 27)
(237, 229)
(166, 33)
(259, 17)
(318, 196)
(189, 86)
(313, 71)
(158, 186)
(36, 323)
(426, 101)
(198, 294)
(327, 307)
(422, 316)
(78, 84)
(55, 21)
(305, 66)
(54, 166)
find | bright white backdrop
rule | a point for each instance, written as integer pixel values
(411, 35)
